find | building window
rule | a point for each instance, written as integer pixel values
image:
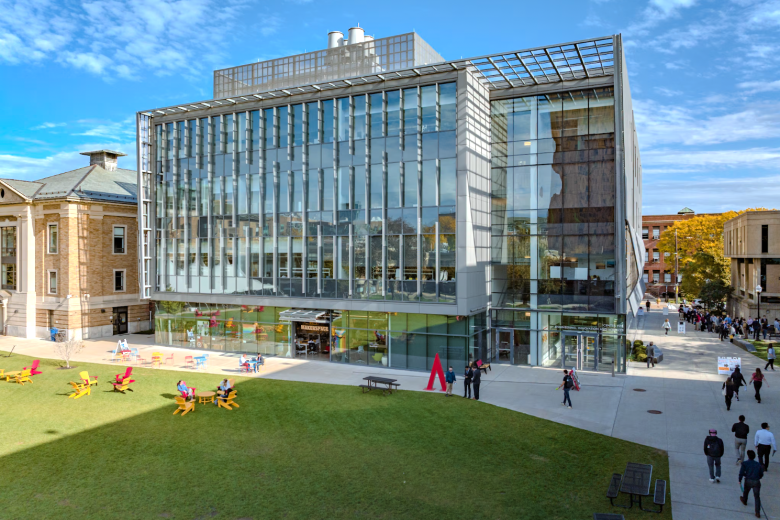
(119, 280)
(644, 233)
(8, 262)
(656, 277)
(656, 255)
(667, 277)
(644, 277)
(679, 278)
(656, 233)
(53, 240)
(119, 240)
(647, 257)
(764, 238)
(52, 288)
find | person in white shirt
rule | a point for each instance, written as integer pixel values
(770, 357)
(764, 442)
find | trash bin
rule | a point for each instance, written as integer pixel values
(53, 334)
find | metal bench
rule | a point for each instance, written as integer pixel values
(614, 488)
(659, 496)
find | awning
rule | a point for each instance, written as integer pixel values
(315, 316)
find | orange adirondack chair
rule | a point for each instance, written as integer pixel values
(123, 386)
(79, 390)
(184, 406)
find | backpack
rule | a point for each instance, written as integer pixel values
(568, 383)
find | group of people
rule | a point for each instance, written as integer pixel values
(223, 390)
(736, 380)
(258, 362)
(471, 378)
(751, 470)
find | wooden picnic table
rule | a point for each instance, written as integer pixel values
(636, 481)
(9, 375)
(205, 397)
(373, 381)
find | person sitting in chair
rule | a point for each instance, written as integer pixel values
(187, 393)
(242, 361)
(259, 361)
(223, 390)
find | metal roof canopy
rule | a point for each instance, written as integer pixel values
(536, 66)
(305, 315)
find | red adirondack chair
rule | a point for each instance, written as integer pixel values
(128, 373)
(34, 368)
(186, 395)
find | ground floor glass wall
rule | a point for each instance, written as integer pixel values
(552, 339)
(394, 340)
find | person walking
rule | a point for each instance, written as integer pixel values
(449, 377)
(475, 381)
(650, 351)
(757, 380)
(764, 441)
(647, 305)
(752, 472)
(770, 357)
(756, 329)
(728, 392)
(567, 385)
(666, 326)
(713, 449)
(739, 380)
(467, 376)
(741, 431)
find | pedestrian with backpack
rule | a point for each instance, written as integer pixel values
(713, 449)
(567, 385)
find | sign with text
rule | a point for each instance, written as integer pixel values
(726, 365)
(680, 327)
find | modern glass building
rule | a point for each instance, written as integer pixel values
(482, 208)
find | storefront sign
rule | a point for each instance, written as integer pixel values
(726, 365)
(315, 328)
(609, 329)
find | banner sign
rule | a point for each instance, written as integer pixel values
(681, 327)
(726, 365)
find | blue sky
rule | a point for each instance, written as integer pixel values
(704, 76)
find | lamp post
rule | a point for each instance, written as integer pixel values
(758, 298)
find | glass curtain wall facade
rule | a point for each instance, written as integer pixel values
(340, 198)
(553, 225)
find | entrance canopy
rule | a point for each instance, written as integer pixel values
(312, 316)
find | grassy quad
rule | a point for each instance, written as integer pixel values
(292, 450)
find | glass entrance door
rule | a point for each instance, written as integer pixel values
(580, 351)
(512, 346)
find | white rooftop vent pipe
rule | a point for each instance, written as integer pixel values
(335, 39)
(356, 35)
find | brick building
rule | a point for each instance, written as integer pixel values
(658, 280)
(70, 252)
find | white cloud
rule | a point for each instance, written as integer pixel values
(760, 86)
(32, 168)
(121, 38)
(671, 6)
(115, 130)
(46, 126)
(677, 161)
(668, 92)
(696, 125)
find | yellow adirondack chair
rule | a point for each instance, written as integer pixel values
(227, 402)
(24, 377)
(87, 380)
(184, 406)
(79, 390)
(2, 371)
(123, 386)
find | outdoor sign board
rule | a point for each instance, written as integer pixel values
(726, 365)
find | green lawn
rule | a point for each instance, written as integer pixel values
(292, 450)
(761, 347)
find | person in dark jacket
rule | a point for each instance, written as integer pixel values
(740, 430)
(751, 471)
(729, 387)
(567, 385)
(739, 380)
(467, 377)
(449, 377)
(475, 381)
(713, 449)
(650, 351)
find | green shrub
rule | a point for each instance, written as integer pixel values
(639, 352)
(638, 343)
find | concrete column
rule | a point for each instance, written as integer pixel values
(26, 270)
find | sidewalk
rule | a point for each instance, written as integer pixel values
(685, 388)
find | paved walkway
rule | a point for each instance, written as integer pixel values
(685, 387)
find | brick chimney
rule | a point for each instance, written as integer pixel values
(106, 159)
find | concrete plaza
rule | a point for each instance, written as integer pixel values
(685, 388)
